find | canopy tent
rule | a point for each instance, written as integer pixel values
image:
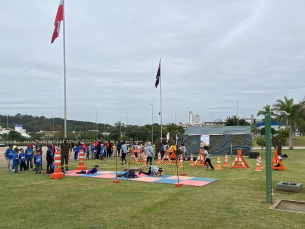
(221, 139)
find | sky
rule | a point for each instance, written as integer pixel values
(214, 55)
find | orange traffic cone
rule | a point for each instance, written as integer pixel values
(226, 164)
(260, 162)
(258, 169)
(81, 165)
(218, 166)
(159, 158)
(57, 167)
(192, 160)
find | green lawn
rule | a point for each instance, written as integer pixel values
(237, 200)
(296, 141)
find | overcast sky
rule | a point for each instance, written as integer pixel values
(213, 54)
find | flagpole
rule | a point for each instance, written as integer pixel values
(160, 101)
(64, 49)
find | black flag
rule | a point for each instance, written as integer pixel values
(158, 75)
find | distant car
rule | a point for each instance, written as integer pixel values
(2, 144)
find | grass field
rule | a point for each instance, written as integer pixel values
(237, 200)
(296, 141)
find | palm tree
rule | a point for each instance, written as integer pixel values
(266, 110)
(287, 112)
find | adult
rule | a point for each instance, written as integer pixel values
(92, 147)
(207, 157)
(38, 146)
(9, 156)
(108, 148)
(72, 144)
(279, 146)
(158, 147)
(118, 148)
(149, 153)
(65, 149)
(163, 149)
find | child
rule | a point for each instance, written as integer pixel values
(89, 171)
(153, 169)
(16, 161)
(49, 158)
(149, 153)
(124, 152)
(29, 156)
(76, 150)
(207, 157)
(183, 151)
(22, 160)
(38, 162)
(129, 174)
(103, 150)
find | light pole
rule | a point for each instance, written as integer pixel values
(96, 123)
(7, 122)
(237, 115)
(152, 124)
(53, 127)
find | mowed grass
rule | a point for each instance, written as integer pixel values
(296, 141)
(237, 200)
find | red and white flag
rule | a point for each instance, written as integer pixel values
(58, 19)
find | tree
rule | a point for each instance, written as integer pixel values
(273, 131)
(115, 135)
(286, 113)
(15, 136)
(234, 120)
(266, 110)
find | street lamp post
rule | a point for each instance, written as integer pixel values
(96, 124)
(152, 123)
(237, 115)
(53, 127)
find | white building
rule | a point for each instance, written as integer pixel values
(190, 118)
(196, 120)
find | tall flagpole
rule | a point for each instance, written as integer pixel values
(160, 101)
(64, 47)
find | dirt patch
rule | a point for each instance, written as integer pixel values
(289, 205)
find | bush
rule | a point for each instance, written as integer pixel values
(261, 142)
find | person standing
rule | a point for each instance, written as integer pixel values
(92, 147)
(108, 147)
(207, 157)
(16, 160)
(149, 153)
(49, 158)
(65, 153)
(118, 148)
(9, 155)
(38, 147)
(124, 152)
(29, 154)
(22, 159)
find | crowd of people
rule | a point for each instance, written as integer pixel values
(32, 157)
